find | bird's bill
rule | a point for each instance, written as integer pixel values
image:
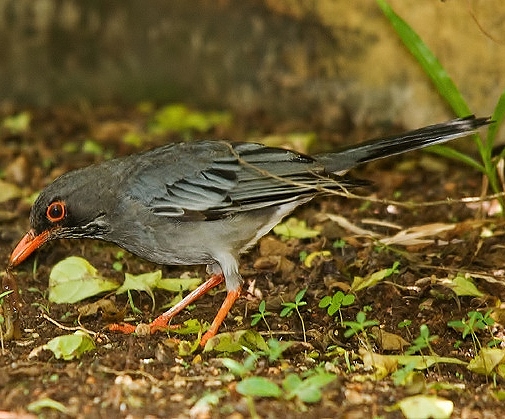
(27, 245)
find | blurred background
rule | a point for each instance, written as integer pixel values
(328, 63)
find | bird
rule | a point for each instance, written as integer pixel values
(203, 202)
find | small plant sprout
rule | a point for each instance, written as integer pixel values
(134, 309)
(242, 369)
(423, 341)
(339, 244)
(405, 324)
(359, 327)
(402, 375)
(275, 349)
(335, 303)
(474, 322)
(295, 306)
(261, 315)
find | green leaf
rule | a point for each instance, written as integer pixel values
(179, 118)
(348, 299)
(464, 286)
(206, 402)
(498, 116)
(75, 279)
(287, 310)
(294, 228)
(186, 348)
(291, 382)
(451, 153)
(326, 301)
(47, 403)
(69, 347)
(258, 387)
(17, 124)
(92, 147)
(276, 348)
(178, 284)
(143, 282)
(235, 367)
(360, 283)
(191, 326)
(133, 138)
(308, 390)
(298, 297)
(236, 341)
(421, 362)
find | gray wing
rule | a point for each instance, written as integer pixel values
(212, 179)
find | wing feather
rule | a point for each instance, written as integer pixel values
(212, 179)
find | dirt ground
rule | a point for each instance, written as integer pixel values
(135, 377)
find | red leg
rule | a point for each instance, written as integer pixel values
(162, 320)
(230, 299)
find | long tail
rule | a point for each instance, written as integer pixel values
(349, 157)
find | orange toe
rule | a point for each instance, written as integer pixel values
(125, 328)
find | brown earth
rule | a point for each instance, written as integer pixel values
(130, 376)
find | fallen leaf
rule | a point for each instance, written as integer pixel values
(417, 235)
(425, 407)
(462, 285)
(70, 347)
(360, 283)
(75, 279)
(389, 341)
(486, 361)
(105, 305)
(295, 228)
(312, 256)
(235, 341)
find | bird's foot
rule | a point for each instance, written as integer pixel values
(143, 329)
(125, 328)
(162, 321)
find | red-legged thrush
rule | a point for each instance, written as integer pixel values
(203, 202)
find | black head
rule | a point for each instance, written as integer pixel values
(75, 205)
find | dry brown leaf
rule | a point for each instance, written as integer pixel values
(353, 228)
(389, 341)
(417, 235)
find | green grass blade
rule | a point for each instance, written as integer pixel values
(498, 115)
(427, 60)
(451, 153)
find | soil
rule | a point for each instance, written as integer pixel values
(133, 376)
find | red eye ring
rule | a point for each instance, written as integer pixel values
(56, 211)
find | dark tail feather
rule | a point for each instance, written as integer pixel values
(349, 157)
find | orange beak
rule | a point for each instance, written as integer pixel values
(28, 244)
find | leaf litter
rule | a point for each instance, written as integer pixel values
(450, 262)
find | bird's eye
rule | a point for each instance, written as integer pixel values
(56, 211)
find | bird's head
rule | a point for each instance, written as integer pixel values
(70, 207)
